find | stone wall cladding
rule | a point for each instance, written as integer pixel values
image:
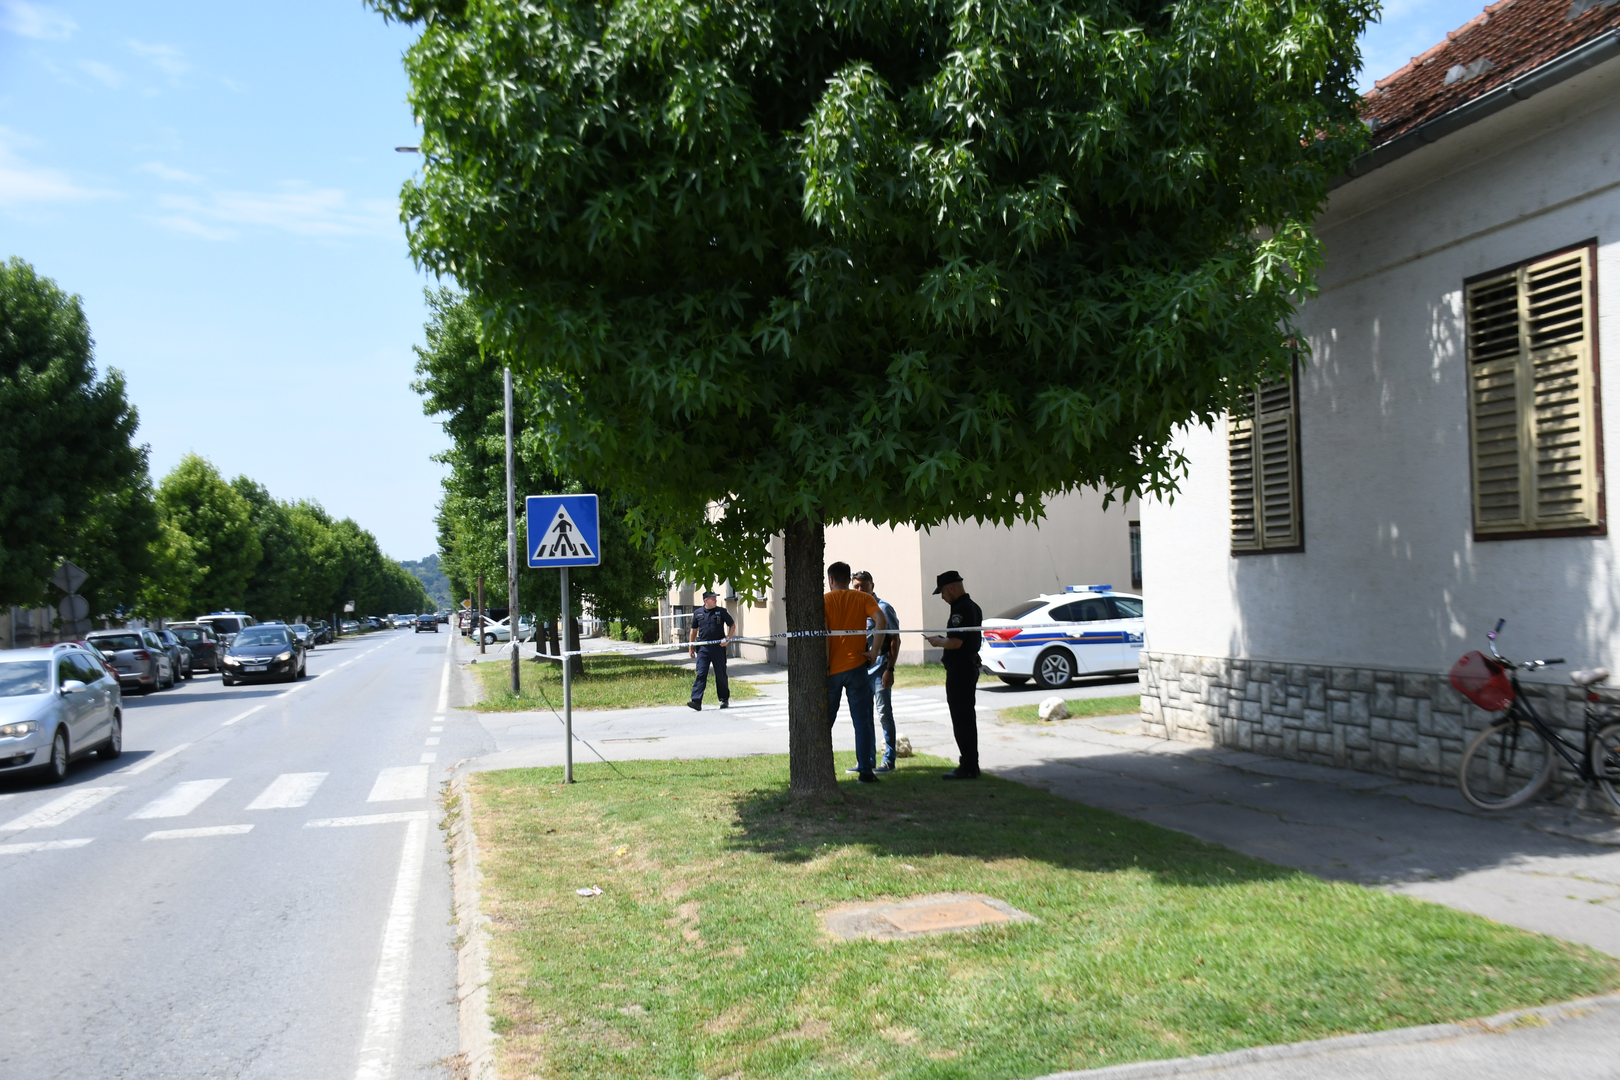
(1406, 724)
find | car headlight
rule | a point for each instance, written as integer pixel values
(284, 657)
(232, 661)
(17, 731)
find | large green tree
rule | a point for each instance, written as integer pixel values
(70, 471)
(218, 523)
(803, 261)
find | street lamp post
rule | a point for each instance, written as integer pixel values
(512, 617)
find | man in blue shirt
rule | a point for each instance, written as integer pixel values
(881, 671)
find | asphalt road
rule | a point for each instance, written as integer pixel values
(257, 888)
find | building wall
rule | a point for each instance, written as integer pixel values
(1391, 577)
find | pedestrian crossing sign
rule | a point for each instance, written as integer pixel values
(563, 531)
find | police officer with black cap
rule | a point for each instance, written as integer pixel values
(961, 661)
(712, 627)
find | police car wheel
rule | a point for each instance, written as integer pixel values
(1054, 669)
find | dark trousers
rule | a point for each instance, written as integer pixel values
(711, 655)
(960, 683)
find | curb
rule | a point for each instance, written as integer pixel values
(1499, 1024)
(477, 1033)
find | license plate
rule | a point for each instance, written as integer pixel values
(254, 667)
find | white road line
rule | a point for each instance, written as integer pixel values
(244, 716)
(429, 758)
(180, 800)
(288, 791)
(386, 1015)
(444, 690)
(42, 845)
(146, 763)
(436, 727)
(433, 740)
(59, 810)
(190, 834)
(404, 782)
(366, 819)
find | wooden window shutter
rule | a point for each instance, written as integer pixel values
(1530, 397)
(1263, 462)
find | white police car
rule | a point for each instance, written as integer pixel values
(1086, 630)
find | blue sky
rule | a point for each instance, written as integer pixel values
(218, 182)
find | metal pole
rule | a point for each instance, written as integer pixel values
(568, 688)
(512, 618)
(479, 626)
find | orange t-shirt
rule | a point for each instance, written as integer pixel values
(847, 609)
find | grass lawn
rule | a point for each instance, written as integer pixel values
(704, 956)
(612, 681)
(927, 675)
(1078, 707)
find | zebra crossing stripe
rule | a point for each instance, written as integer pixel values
(59, 810)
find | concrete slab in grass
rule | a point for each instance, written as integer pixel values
(938, 913)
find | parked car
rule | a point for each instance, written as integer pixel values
(323, 632)
(501, 631)
(179, 655)
(351, 628)
(227, 624)
(56, 707)
(305, 634)
(141, 660)
(1057, 637)
(204, 644)
(267, 653)
(427, 622)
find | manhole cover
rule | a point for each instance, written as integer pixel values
(937, 914)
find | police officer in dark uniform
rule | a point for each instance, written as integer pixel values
(712, 624)
(961, 661)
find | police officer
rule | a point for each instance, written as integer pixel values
(961, 661)
(714, 625)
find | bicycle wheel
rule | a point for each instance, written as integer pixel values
(1606, 761)
(1505, 765)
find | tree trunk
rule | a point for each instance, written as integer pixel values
(810, 754)
(576, 663)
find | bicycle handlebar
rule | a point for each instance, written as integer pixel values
(1528, 665)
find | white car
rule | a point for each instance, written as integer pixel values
(1057, 637)
(501, 631)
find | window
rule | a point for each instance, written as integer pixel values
(1093, 610)
(1136, 554)
(1532, 405)
(1127, 607)
(1262, 445)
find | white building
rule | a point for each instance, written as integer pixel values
(1439, 459)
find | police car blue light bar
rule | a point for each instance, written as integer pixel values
(1088, 588)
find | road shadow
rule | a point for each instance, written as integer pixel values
(999, 687)
(913, 813)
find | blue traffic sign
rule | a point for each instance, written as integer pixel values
(563, 531)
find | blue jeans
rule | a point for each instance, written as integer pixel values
(858, 685)
(885, 716)
(711, 656)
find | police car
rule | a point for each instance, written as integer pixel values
(1085, 630)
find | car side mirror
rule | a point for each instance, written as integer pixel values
(72, 686)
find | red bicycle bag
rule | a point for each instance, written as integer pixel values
(1483, 681)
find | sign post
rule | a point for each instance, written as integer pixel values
(513, 619)
(563, 531)
(74, 608)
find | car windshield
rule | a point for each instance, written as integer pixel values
(300, 627)
(262, 635)
(25, 678)
(226, 626)
(1018, 611)
(116, 642)
(1129, 607)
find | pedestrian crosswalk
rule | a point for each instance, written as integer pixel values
(180, 800)
(288, 791)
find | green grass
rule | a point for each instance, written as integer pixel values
(908, 675)
(704, 957)
(610, 682)
(1078, 707)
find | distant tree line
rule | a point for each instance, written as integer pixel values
(77, 487)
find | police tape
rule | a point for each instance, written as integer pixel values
(748, 639)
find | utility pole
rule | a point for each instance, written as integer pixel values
(568, 687)
(512, 618)
(478, 628)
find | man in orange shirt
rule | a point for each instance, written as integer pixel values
(848, 659)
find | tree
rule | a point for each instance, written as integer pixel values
(218, 524)
(70, 468)
(892, 260)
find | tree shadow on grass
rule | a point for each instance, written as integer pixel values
(912, 813)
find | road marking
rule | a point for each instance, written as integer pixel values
(433, 740)
(386, 1014)
(146, 763)
(404, 782)
(436, 727)
(428, 758)
(180, 800)
(188, 834)
(244, 716)
(59, 810)
(444, 690)
(367, 819)
(42, 845)
(288, 791)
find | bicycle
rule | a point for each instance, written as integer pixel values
(1509, 762)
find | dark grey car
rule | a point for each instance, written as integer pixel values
(141, 660)
(179, 652)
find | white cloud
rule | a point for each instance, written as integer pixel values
(22, 183)
(33, 21)
(106, 75)
(296, 208)
(164, 172)
(166, 58)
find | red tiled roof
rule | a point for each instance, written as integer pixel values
(1504, 41)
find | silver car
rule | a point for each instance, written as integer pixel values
(140, 657)
(56, 706)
